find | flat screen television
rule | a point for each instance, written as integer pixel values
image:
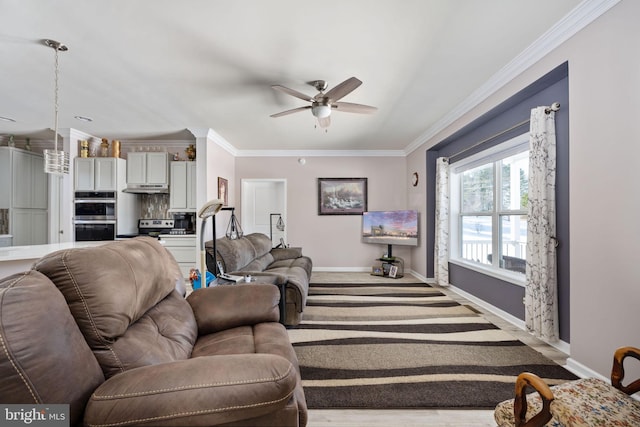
(390, 228)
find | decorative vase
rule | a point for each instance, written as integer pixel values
(191, 152)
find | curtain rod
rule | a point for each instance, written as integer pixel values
(554, 107)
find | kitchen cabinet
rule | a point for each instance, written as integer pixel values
(184, 250)
(96, 173)
(24, 193)
(183, 187)
(29, 226)
(148, 168)
(29, 181)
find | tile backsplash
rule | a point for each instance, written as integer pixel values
(154, 206)
(4, 221)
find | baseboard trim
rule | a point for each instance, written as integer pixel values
(562, 346)
(417, 275)
(583, 371)
(341, 269)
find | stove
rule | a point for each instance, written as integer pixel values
(155, 227)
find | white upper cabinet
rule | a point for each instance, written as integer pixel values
(157, 168)
(96, 174)
(148, 168)
(183, 186)
(137, 168)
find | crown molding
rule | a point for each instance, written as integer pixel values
(321, 153)
(215, 137)
(581, 16)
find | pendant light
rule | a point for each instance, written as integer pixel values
(56, 161)
(234, 231)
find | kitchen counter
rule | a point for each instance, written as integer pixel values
(5, 240)
(15, 259)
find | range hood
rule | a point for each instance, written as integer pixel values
(147, 188)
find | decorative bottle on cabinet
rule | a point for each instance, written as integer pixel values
(84, 148)
(104, 148)
(115, 148)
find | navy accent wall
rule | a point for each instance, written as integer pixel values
(552, 87)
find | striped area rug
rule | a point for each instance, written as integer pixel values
(406, 346)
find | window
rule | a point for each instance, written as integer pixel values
(489, 197)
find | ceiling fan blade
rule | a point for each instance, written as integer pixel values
(293, 93)
(295, 110)
(324, 122)
(343, 89)
(350, 107)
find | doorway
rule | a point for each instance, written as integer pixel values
(264, 201)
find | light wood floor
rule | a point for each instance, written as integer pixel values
(425, 417)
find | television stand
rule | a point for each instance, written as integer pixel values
(392, 267)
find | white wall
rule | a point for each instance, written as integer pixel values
(604, 93)
(213, 161)
(333, 242)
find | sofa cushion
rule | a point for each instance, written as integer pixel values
(234, 254)
(303, 263)
(259, 264)
(261, 242)
(117, 291)
(286, 253)
(203, 391)
(166, 333)
(44, 358)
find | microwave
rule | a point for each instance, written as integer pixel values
(94, 206)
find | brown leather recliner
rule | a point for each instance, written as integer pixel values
(107, 330)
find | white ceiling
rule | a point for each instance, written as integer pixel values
(154, 68)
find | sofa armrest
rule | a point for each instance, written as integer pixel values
(286, 253)
(228, 306)
(203, 391)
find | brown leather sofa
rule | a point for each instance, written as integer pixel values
(108, 331)
(285, 267)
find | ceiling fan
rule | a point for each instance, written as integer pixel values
(323, 103)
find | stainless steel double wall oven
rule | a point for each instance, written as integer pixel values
(95, 215)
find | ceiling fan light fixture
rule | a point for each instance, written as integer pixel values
(321, 110)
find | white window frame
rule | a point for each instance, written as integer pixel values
(498, 152)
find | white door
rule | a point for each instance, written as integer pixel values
(261, 200)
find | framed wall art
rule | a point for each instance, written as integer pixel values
(223, 190)
(342, 196)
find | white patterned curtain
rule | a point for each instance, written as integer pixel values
(541, 299)
(441, 250)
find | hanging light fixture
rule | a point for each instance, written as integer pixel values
(56, 161)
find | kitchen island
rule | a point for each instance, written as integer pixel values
(15, 259)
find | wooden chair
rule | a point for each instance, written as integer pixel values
(584, 402)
